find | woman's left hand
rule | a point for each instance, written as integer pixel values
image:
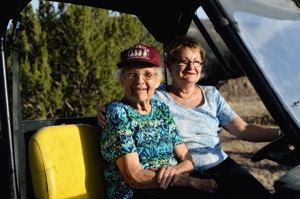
(167, 175)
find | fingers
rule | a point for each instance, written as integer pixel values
(166, 175)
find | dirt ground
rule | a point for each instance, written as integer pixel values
(241, 96)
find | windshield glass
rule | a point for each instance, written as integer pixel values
(270, 30)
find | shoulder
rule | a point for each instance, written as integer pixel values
(116, 108)
(158, 103)
(117, 114)
(209, 89)
(115, 104)
(161, 88)
(210, 92)
(160, 92)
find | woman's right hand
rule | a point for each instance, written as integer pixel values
(204, 184)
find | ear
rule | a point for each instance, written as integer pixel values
(122, 81)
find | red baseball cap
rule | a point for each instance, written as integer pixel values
(140, 53)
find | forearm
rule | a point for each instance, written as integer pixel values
(204, 184)
(186, 166)
(251, 132)
(257, 133)
(148, 179)
(184, 180)
(143, 179)
(186, 162)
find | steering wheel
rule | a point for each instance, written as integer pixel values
(278, 151)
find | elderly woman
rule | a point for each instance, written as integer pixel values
(143, 151)
(199, 112)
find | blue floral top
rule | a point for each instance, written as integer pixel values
(153, 136)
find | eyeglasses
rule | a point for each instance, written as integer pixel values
(184, 62)
(146, 75)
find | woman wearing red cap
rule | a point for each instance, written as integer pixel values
(144, 154)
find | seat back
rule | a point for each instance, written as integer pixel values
(65, 162)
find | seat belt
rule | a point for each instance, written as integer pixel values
(17, 122)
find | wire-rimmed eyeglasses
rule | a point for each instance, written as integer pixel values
(184, 62)
(147, 75)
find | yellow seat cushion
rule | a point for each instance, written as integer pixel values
(65, 162)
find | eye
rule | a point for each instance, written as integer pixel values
(197, 63)
(185, 62)
(148, 74)
(131, 74)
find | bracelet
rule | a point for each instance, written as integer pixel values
(279, 133)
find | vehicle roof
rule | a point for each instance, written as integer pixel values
(171, 18)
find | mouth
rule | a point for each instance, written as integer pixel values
(139, 89)
(189, 73)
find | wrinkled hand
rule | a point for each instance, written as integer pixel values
(204, 184)
(101, 114)
(167, 175)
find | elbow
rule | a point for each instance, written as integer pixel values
(132, 180)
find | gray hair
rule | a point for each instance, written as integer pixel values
(158, 70)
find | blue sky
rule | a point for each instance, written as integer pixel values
(35, 5)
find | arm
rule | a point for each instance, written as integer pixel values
(139, 178)
(185, 159)
(185, 165)
(134, 174)
(251, 132)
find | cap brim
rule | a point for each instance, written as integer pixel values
(122, 64)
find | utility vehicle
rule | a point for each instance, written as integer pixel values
(262, 36)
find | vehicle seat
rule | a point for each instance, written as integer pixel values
(65, 162)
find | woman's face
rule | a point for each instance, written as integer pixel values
(139, 82)
(186, 67)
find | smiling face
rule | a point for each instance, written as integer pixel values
(186, 66)
(139, 82)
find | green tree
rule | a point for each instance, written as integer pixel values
(34, 69)
(68, 58)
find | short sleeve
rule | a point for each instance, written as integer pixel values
(225, 113)
(116, 138)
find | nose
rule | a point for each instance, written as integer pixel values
(139, 79)
(191, 65)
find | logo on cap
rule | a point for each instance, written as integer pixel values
(138, 51)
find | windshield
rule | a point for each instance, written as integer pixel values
(270, 30)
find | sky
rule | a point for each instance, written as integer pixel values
(35, 5)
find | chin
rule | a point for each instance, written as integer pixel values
(191, 80)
